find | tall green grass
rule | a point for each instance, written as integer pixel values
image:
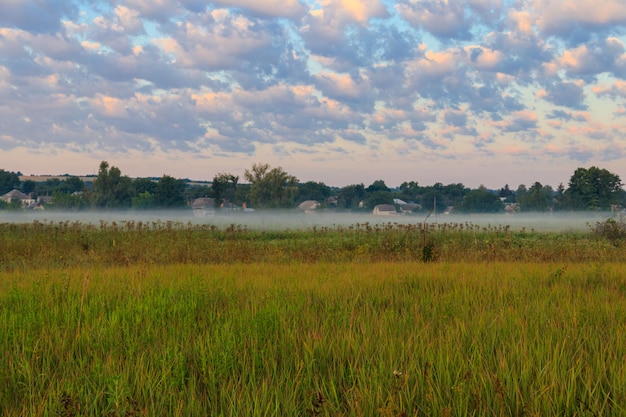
(65, 244)
(324, 339)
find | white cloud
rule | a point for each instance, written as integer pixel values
(375, 79)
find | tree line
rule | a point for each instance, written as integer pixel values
(266, 187)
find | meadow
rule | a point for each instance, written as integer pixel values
(181, 319)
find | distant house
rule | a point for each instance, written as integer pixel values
(229, 206)
(203, 207)
(46, 199)
(384, 210)
(407, 208)
(309, 206)
(17, 195)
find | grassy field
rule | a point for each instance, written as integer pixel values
(181, 320)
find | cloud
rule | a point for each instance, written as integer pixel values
(593, 59)
(438, 79)
(616, 90)
(449, 19)
(575, 20)
(42, 16)
(566, 94)
(521, 122)
(268, 8)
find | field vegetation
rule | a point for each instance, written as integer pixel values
(165, 318)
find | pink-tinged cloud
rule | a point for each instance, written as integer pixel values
(222, 45)
(617, 89)
(269, 8)
(340, 85)
(563, 17)
(344, 11)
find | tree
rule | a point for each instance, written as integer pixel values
(409, 191)
(142, 185)
(378, 185)
(311, 190)
(481, 201)
(377, 193)
(143, 201)
(69, 201)
(506, 193)
(443, 195)
(170, 193)
(111, 189)
(537, 198)
(28, 186)
(594, 189)
(350, 197)
(271, 188)
(378, 197)
(224, 186)
(8, 181)
(560, 198)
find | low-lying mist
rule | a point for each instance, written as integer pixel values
(292, 219)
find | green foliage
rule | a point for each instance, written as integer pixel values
(8, 181)
(351, 196)
(111, 189)
(611, 229)
(311, 190)
(378, 197)
(481, 201)
(143, 201)
(142, 185)
(443, 196)
(376, 186)
(271, 188)
(68, 244)
(67, 201)
(537, 198)
(594, 189)
(224, 186)
(350, 339)
(170, 193)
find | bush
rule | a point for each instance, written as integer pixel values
(611, 229)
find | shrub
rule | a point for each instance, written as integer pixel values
(610, 229)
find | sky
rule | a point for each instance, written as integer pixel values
(479, 92)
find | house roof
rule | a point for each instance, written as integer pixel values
(309, 205)
(14, 195)
(202, 203)
(385, 207)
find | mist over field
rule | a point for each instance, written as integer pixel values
(292, 219)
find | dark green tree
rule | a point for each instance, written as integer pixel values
(198, 191)
(71, 185)
(594, 189)
(481, 200)
(111, 189)
(170, 193)
(142, 185)
(537, 198)
(560, 198)
(69, 201)
(271, 188)
(311, 190)
(409, 191)
(506, 193)
(377, 197)
(351, 196)
(143, 201)
(28, 186)
(378, 185)
(443, 196)
(223, 188)
(8, 181)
